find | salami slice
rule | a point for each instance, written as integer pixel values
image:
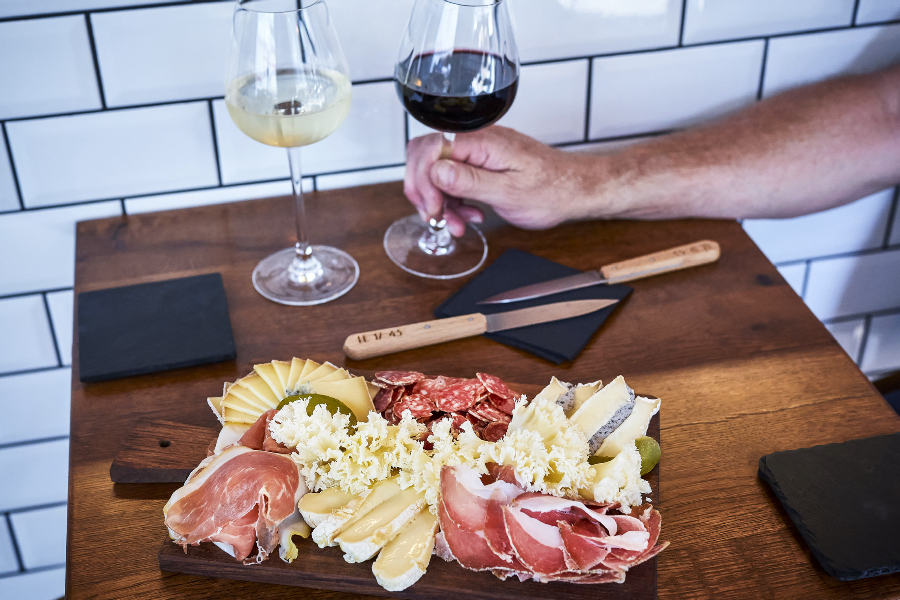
(490, 413)
(477, 424)
(505, 405)
(494, 431)
(429, 387)
(458, 420)
(399, 377)
(383, 398)
(459, 396)
(496, 386)
(420, 406)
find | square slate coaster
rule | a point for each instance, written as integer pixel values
(558, 341)
(845, 501)
(152, 327)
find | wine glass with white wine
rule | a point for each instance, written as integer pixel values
(288, 85)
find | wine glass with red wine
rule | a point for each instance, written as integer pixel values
(458, 72)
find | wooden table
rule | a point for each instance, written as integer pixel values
(742, 366)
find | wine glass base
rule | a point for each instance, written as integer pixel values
(401, 243)
(272, 277)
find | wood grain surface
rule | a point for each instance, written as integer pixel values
(742, 366)
(161, 452)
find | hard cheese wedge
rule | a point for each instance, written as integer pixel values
(360, 506)
(353, 392)
(237, 393)
(600, 414)
(283, 370)
(260, 388)
(404, 559)
(216, 405)
(270, 376)
(321, 371)
(297, 366)
(368, 535)
(238, 410)
(631, 429)
(316, 507)
(338, 375)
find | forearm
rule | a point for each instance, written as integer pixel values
(803, 151)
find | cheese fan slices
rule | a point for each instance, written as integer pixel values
(243, 401)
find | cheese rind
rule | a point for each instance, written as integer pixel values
(360, 506)
(404, 559)
(368, 535)
(583, 391)
(600, 414)
(316, 507)
(216, 405)
(632, 428)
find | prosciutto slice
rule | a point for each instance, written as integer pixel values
(465, 498)
(236, 497)
(258, 437)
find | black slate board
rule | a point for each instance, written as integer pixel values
(149, 327)
(559, 341)
(845, 501)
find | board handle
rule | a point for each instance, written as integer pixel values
(406, 337)
(665, 261)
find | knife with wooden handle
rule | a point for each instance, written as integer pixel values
(665, 261)
(417, 335)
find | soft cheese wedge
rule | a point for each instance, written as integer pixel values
(600, 414)
(316, 507)
(583, 391)
(404, 559)
(353, 392)
(558, 391)
(358, 507)
(631, 429)
(368, 535)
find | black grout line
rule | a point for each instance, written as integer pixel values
(123, 8)
(34, 293)
(46, 440)
(34, 570)
(587, 104)
(855, 14)
(762, 71)
(15, 544)
(851, 254)
(90, 32)
(885, 312)
(681, 25)
(215, 141)
(867, 327)
(25, 509)
(95, 111)
(124, 209)
(12, 165)
(805, 279)
(892, 216)
(59, 361)
(30, 371)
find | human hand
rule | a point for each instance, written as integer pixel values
(526, 182)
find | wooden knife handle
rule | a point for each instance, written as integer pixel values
(406, 337)
(666, 261)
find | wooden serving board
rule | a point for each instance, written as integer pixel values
(325, 568)
(161, 452)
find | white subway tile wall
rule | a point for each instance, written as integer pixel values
(652, 91)
(162, 54)
(112, 105)
(712, 20)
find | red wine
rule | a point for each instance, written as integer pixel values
(457, 92)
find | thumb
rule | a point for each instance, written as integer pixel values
(465, 181)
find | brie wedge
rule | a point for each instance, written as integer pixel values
(316, 507)
(404, 559)
(360, 506)
(631, 429)
(603, 412)
(368, 535)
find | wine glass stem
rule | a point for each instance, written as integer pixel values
(437, 240)
(305, 268)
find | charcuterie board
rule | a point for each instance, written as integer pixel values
(326, 568)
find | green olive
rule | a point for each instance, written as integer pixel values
(650, 453)
(332, 404)
(596, 460)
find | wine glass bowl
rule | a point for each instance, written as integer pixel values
(457, 72)
(288, 85)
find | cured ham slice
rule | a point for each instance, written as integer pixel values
(470, 549)
(538, 546)
(464, 497)
(258, 437)
(218, 501)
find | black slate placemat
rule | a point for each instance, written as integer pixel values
(558, 341)
(151, 327)
(845, 501)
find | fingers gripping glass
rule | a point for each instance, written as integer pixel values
(288, 85)
(458, 72)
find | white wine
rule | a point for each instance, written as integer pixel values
(296, 108)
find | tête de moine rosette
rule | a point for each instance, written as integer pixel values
(408, 466)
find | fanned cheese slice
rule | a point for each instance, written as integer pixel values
(270, 376)
(322, 370)
(634, 427)
(336, 375)
(216, 405)
(308, 369)
(243, 395)
(233, 415)
(345, 517)
(353, 392)
(373, 389)
(297, 366)
(404, 559)
(316, 507)
(283, 370)
(583, 391)
(260, 388)
(367, 536)
(600, 414)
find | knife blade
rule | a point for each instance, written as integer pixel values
(417, 335)
(665, 261)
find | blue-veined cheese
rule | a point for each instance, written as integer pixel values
(603, 412)
(632, 428)
(558, 391)
(583, 391)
